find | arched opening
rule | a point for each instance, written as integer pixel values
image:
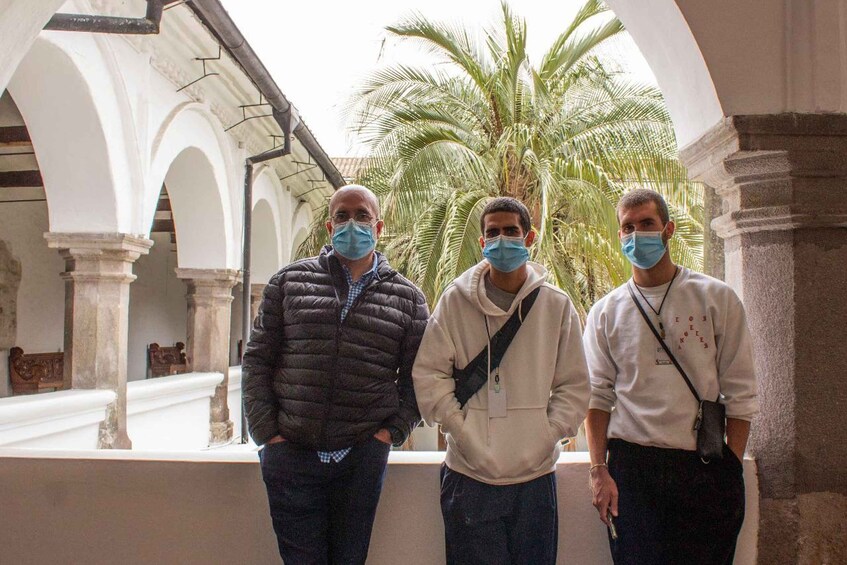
(53, 150)
(188, 232)
(157, 299)
(265, 252)
(31, 293)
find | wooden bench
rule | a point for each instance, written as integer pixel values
(163, 361)
(35, 372)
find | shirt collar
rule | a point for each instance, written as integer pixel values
(374, 272)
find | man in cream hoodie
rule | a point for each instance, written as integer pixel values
(498, 487)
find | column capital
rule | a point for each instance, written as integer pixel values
(93, 244)
(210, 277)
(209, 286)
(774, 172)
(99, 256)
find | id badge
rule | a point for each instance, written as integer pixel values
(497, 403)
(662, 357)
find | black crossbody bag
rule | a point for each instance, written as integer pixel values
(711, 416)
(470, 379)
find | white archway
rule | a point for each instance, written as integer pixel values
(188, 156)
(300, 226)
(754, 58)
(267, 188)
(202, 226)
(70, 131)
(264, 245)
(664, 38)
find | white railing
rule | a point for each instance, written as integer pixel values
(68, 419)
(211, 507)
(166, 413)
(170, 413)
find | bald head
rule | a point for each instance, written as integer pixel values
(354, 196)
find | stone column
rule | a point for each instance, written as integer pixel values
(713, 252)
(97, 276)
(256, 291)
(209, 312)
(782, 180)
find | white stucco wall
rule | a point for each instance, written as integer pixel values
(41, 294)
(212, 508)
(158, 311)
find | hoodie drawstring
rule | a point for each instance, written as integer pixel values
(487, 383)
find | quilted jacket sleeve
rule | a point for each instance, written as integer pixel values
(259, 364)
(408, 417)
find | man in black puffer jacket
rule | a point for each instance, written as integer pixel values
(328, 385)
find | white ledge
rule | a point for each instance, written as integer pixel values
(17, 411)
(67, 417)
(151, 394)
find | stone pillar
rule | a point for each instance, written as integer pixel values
(713, 252)
(256, 291)
(97, 276)
(209, 312)
(782, 180)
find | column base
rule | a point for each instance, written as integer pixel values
(220, 432)
(112, 435)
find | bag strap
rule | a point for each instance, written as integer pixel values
(501, 340)
(663, 344)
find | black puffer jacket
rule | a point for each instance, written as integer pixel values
(326, 384)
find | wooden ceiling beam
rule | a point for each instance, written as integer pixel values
(163, 226)
(14, 136)
(20, 179)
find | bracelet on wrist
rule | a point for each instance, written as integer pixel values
(597, 465)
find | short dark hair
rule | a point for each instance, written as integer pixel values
(639, 196)
(507, 204)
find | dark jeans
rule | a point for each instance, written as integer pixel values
(499, 525)
(323, 513)
(673, 508)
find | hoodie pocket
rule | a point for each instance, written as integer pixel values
(511, 448)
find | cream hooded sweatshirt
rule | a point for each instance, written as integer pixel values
(543, 375)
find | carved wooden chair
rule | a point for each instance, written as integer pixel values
(35, 372)
(162, 361)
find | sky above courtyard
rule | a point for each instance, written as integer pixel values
(319, 50)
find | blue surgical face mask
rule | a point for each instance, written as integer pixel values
(505, 253)
(644, 249)
(353, 240)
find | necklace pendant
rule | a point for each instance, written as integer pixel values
(661, 330)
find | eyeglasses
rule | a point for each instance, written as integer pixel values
(342, 217)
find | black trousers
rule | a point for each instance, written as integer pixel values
(673, 508)
(499, 525)
(323, 513)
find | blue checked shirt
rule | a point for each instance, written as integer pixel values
(355, 289)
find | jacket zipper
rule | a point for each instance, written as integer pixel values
(338, 308)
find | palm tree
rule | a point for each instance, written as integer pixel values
(567, 137)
